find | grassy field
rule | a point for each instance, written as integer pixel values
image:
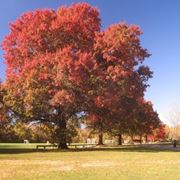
(21, 162)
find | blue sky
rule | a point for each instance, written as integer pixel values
(158, 19)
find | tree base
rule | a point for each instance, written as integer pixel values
(119, 139)
(62, 146)
(100, 144)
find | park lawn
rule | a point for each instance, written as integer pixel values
(125, 162)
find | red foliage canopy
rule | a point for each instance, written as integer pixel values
(59, 63)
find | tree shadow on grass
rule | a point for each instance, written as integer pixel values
(129, 149)
(16, 151)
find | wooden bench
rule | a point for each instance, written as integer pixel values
(46, 146)
(82, 145)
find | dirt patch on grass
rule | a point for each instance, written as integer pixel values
(51, 165)
(99, 164)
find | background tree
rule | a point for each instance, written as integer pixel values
(174, 121)
(6, 128)
(119, 55)
(147, 120)
(160, 133)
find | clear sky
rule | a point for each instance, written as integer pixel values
(158, 19)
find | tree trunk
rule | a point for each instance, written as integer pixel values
(120, 139)
(132, 140)
(100, 134)
(146, 138)
(140, 139)
(61, 134)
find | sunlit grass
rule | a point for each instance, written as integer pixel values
(128, 162)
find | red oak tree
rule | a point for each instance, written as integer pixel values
(121, 75)
(60, 64)
(146, 120)
(47, 55)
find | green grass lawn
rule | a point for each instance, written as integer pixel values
(19, 161)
